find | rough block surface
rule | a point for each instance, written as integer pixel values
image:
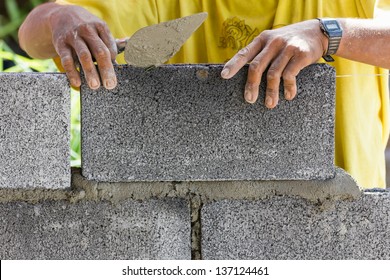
(184, 122)
(34, 131)
(293, 228)
(153, 229)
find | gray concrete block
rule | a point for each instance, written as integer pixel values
(184, 122)
(34, 131)
(152, 229)
(293, 228)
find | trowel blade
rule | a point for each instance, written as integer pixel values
(155, 44)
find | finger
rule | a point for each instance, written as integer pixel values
(107, 38)
(241, 58)
(255, 72)
(103, 58)
(85, 58)
(290, 84)
(295, 65)
(289, 80)
(69, 65)
(274, 75)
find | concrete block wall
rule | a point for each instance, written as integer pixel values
(153, 229)
(186, 123)
(281, 228)
(34, 130)
(161, 175)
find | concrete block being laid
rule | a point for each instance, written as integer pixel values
(284, 227)
(151, 229)
(34, 131)
(184, 122)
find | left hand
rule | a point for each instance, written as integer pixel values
(285, 51)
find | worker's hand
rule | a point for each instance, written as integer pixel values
(80, 38)
(285, 51)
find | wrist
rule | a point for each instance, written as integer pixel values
(324, 40)
(331, 28)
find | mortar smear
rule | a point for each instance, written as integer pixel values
(155, 44)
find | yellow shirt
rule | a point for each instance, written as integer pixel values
(362, 100)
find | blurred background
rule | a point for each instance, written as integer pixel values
(14, 59)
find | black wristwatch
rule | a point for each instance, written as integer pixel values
(332, 29)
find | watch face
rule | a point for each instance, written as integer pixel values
(332, 25)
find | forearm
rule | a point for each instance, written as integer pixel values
(365, 40)
(35, 34)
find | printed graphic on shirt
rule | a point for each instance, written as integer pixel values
(236, 34)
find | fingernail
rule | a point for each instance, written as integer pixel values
(287, 95)
(94, 83)
(249, 96)
(268, 102)
(110, 84)
(225, 72)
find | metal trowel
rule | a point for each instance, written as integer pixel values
(155, 44)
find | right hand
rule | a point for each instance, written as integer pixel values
(284, 52)
(80, 38)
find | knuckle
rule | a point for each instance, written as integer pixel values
(67, 62)
(276, 39)
(304, 60)
(265, 34)
(273, 75)
(101, 27)
(257, 40)
(272, 93)
(60, 40)
(68, 36)
(288, 83)
(102, 53)
(288, 77)
(85, 28)
(255, 66)
(252, 85)
(291, 49)
(89, 68)
(244, 52)
(84, 55)
(60, 45)
(289, 86)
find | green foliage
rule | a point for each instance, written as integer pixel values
(13, 15)
(24, 64)
(21, 63)
(75, 155)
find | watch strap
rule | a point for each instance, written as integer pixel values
(334, 36)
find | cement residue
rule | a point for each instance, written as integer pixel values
(32, 196)
(341, 187)
(196, 229)
(321, 193)
(155, 44)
